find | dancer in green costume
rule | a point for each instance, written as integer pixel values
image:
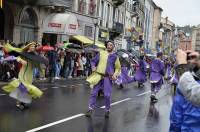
(22, 89)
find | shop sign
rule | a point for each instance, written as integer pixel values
(55, 25)
(72, 26)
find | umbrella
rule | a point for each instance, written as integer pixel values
(74, 46)
(59, 45)
(10, 58)
(34, 57)
(45, 48)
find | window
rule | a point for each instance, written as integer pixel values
(102, 13)
(88, 31)
(28, 24)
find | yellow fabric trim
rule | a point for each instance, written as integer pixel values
(94, 78)
(101, 68)
(83, 39)
(10, 48)
(117, 67)
(33, 91)
(11, 86)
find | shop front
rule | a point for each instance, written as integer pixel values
(58, 27)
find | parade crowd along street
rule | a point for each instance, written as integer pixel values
(103, 68)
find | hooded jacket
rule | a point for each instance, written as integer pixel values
(185, 113)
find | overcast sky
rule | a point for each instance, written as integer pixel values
(181, 12)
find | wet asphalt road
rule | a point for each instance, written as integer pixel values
(65, 102)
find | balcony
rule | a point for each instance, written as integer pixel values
(135, 11)
(117, 29)
(118, 2)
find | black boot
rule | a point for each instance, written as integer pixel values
(20, 106)
(121, 86)
(25, 105)
(107, 114)
(88, 113)
(153, 99)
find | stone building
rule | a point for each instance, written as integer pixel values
(156, 26)
(196, 38)
(167, 34)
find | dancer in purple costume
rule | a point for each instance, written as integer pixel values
(156, 76)
(106, 69)
(168, 67)
(124, 78)
(140, 74)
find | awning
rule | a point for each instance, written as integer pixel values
(83, 39)
(62, 3)
(100, 45)
(88, 41)
(61, 23)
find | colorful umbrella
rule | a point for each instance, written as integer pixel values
(10, 58)
(45, 48)
(59, 45)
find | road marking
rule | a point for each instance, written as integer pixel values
(143, 93)
(43, 89)
(55, 123)
(78, 115)
(118, 102)
(2, 94)
(55, 87)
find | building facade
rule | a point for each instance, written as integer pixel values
(196, 39)
(47, 21)
(167, 34)
(148, 24)
(156, 39)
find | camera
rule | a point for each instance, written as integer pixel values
(189, 57)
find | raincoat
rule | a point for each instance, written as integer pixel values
(185, 116)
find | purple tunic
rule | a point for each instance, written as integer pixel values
(140, 74)
(168, 71)
(110, 68)
(124, 78)
(157, 70)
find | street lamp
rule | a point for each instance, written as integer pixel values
(96, 23)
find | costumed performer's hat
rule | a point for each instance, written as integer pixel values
(28, 45)
(125, 55)
(106, 43)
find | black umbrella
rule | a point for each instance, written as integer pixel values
(74, 46)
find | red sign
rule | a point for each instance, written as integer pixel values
(72, 26)
(56, 25)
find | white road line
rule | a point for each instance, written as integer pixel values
(55, 87)
(43, 89)
(2, 94)
(118, 102)
(55, 123)
(78, 115)
(143, 93)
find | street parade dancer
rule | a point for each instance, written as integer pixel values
(140, 74)
(124, 77)
(22, 89)
(156, 76)
(106, 68)
(168, 67)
